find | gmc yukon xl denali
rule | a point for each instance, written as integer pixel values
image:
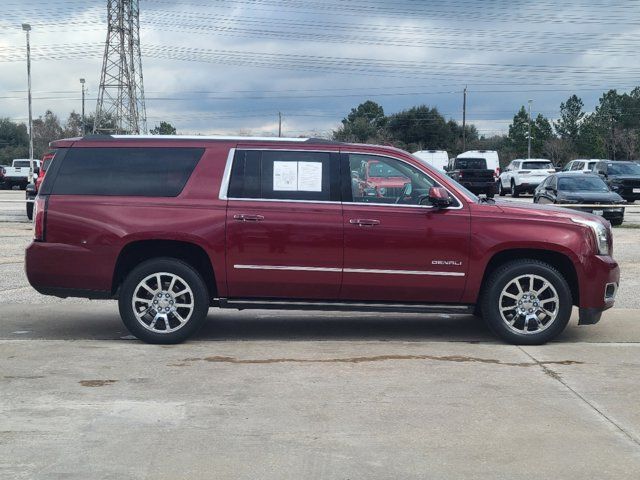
(170, 226)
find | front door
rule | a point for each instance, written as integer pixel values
(397, 248)
(284, 225)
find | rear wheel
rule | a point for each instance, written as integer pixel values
(617, 222)
(527, 302)
(163, 300)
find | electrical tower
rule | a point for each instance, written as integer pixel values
(121, 106)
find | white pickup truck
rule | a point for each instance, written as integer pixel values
(20, 173)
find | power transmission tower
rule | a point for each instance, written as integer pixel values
(121, 106)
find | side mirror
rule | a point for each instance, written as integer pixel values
(602, 173)
(439, 197)
(549, 188)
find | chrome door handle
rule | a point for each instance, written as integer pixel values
(364, 222)
(248, 218)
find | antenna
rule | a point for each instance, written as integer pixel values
(121, 107)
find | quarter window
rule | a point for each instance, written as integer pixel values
(145, 172)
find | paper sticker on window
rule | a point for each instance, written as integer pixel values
(310, 176)
(285, 176)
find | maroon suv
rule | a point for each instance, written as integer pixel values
(173, 226)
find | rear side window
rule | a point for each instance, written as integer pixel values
(285, 175)
(145, 172)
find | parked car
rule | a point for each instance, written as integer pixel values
(523, 176)
(581, 165)
(378, 179)
(436, 158)
(489, 156)
(574, 188)
(171, 227)
(32, 188)
(623, 177)
(19, 173)
(474, 175)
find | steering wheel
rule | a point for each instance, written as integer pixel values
(407, 190)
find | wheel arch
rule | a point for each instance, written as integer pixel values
(558, 260)
(135, 252)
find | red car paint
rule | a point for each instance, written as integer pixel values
(83, 238)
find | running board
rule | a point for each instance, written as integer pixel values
(264, 304)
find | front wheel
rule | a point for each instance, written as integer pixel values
(514, 190)
(527, 302)
(163, 300)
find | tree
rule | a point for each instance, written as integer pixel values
(364, 123)
(45, 130)
(14, 141)
(571, 115)
(541, 132)
(421, 127)
(165, 128)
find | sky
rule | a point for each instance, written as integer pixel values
(229, 66)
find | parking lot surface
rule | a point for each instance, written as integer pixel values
(290, 395)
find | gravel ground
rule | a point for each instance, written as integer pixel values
(16, 231)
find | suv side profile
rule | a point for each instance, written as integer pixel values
(172, 226)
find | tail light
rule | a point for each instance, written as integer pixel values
(39, 213)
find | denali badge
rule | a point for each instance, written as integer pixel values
(446, 262)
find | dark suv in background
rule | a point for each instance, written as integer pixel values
(171, 227)
(623, 177)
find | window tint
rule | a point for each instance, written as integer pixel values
(471, 164)
(150, 172)
(407, 185)
(21, 163)
(284, 175)
(537, 165)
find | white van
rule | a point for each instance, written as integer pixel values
(490, 156)
(436, 158)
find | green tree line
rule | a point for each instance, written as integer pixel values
(611, 131)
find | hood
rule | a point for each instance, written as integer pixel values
(535, 211)
(589, 197)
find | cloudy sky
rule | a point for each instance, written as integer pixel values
(229, 66)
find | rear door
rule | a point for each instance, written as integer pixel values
(396, 249)
(284, 225)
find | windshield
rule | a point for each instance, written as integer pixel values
(21, 163)
(582, 184)
(379, 169)
(623, 168)
(537, 166)
(470, 164)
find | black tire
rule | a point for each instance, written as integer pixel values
(501, 191)
(188, 275)
(617, 222)
(514, 190)
(30, 210)
(502, 277)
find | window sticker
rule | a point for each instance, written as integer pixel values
(310, 176)
(285, 176)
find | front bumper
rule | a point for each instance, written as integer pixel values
(598, 288)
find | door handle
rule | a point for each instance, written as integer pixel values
(248, 218)
(364, 222)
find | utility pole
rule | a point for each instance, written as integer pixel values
(84, 129)
(279, 124)
(529, 139)
(27, 28)
(464, 119)
(121, 107)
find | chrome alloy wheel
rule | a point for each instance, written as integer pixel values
(162, 302)
(529, 304)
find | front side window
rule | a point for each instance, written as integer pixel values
(284, 175)
(396, 182)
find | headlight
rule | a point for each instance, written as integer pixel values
(600, 232)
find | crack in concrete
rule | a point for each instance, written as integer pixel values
(557, 377)
(378, 358)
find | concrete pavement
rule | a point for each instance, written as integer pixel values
(290, 395)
